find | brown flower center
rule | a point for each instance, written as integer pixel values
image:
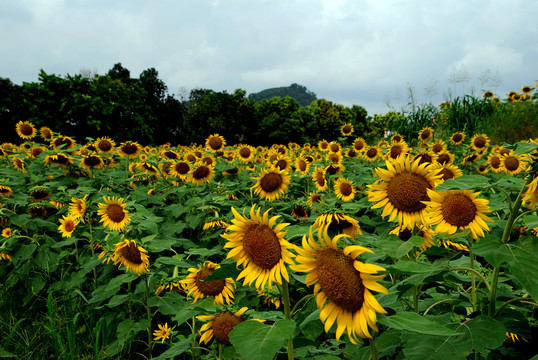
(209, 288)
(36, 151)
(480, 142)
(129, 149)
(40, 194)
(346, 189)
(302, 165)
(425, 134)
(69, 226)
(271, 182)
(201, 172)
(511, 163)
(443, 159)
(182, 168)
(371, 153)
(358, 145)
(346, 129)
(26, 130)
(170, 154)
(458, 209)
(281, 164)
(244, 152)
(92, 161)
(495, 162)
(446, 173)
(131, 253)
(63, 141)
(334, 148)
(333, 169)
(406, 191)
(339, 280)
(437, 148)
(215, 143)
(223, 324)
(320, 179)
(262, 246)
(424, 158)
(115, 213)
(315, 198)
(457, 137)
(395, 151)
(104, 145)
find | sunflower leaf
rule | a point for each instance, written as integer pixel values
(523, 265)
(407, 246)
(525, 148)
(414, 322)
(530, 221)
(258, 341)
(225, 271)
(464, 182)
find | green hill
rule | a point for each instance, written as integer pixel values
(296, 91)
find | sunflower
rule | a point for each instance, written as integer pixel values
(180, 169)
(63, 142)
(351, 153)
(129, 149)
(57, 204)
(299, 211)
(148, 168)
(245, 152)
(444, 158)
(471, 158)
(425, 134)
(396, 151)
(302, 165)
(258, 245)
(104, 145)
(425, 157)
(170, 285)
(271, 184)
(46, 133)
(344, 189)
(221, 290)
(457, 138)
(312, 199)
(38, 209)
(78, 207)
(25, 130)
(513, 164)
(35, 151)
(59, 159)
(91, 162)
(6, 232)
(526, 89)
(270, 297)
(488, 94)
(113, 213)
(447, 171)
(396, 138)
(372, 153)
(215, 142)
(318, 176)
(131, 255)
(323, 145)
(531, 194)
(67, 225)
(39, 193)
(438, 147)
(346, 129)
(282, 162)
(216, 223)
(359, 144)
(220, 325)
(337, 223)
(201, 173)
(405, 234)
(335, 168)
(18, 164)
(163, 333)
(5, 191)
(454, 210)
(342, 284)
(5, 256)
(480, 142)
(401, 190)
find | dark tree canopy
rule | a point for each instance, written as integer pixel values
(300, 93)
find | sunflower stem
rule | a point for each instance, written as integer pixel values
(473, 278)
(287, 313)
(148, 310)
(504, 240)
(373, 348)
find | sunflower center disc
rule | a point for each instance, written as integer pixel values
(215, 143)
(406, 191)
(358, 146)
(262, 246)
(458, 210)
(480, 142)
(271, 182)
(129, 149)
(92, 160)
(347, 129)
(346, 189)
(511, 163)
(115, 213)
(200, 173)
(446, 173)
(131, 254)
(40, 194)
(26, 130)
(104, 145)
(371, 152)
(182, 168)
(443, 159)
(437, 147)
(339, 280)
(425, 134)
(244, 152)
(282, 164)
(209, 288)
(223, 324)
(302, 165)
(395, 151)
(457, 138)
(69, 226)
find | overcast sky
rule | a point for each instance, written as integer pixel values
(350, 52)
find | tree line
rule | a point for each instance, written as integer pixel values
(141, 109)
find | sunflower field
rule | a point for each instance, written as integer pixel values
(409, 248)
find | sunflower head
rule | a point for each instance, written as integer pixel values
(271, 184)
(335, 222)
(221, 290)
(220, 325)
(46, 133)
(39, 193)
(425, 134)
(344, 189)
(25, 130)
(132, 256)
(346, 129)
(480, 142)
(104, 145)
(215, 142)
(113, 213)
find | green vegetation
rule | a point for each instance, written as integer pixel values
(300, 93)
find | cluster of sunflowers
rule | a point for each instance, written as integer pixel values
(312, 185)
(512, 96)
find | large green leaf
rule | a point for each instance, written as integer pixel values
(480, 334)
(410, 267)
(523, 264)
(175, 350)
(225, 271)
(414, 241)
(414, 322)
(464, 182)
(492, 249)
(257, 341)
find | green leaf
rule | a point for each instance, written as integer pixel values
(117, 300)
(464, 182)
(530, 221)
(410, 267)
(414, 241)
(257, 341)
(414, 322)
(480, 334)
(523, 264)
(5, 353)
(225, 271)
(525, 148)
(175, 350)
(492, 249)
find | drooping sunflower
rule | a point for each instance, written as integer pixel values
(513, 164)
(342, 284)
(372, 153)
(113, 213)
(38, 209)
(344, 189)
(63, 142)
(39, 193)
(531, 194)
(258, 245)
(401, 190)
(271, 184)
(5, 191)
(131, 255)
(480, 142)
(336, 222)
(18, 164)
(163, 333)
(346, 129)
(67, 225)
(78, 207)
(46, 133)
(425, 134)
(221, 290)
(25, 130)
(215, 223)
(215, 142)
(453, 210)
(220, 325)
(270, 297)
(318, 176)
(425, 232)
(104, 145)
(129, 149)
(313, 199)
(91, 162)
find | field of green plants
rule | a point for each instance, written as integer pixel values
(422, 245)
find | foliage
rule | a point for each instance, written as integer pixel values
(300, 93)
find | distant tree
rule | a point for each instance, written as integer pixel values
(118, 72)
(279, 121)
(300, 93)
(323, 120)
